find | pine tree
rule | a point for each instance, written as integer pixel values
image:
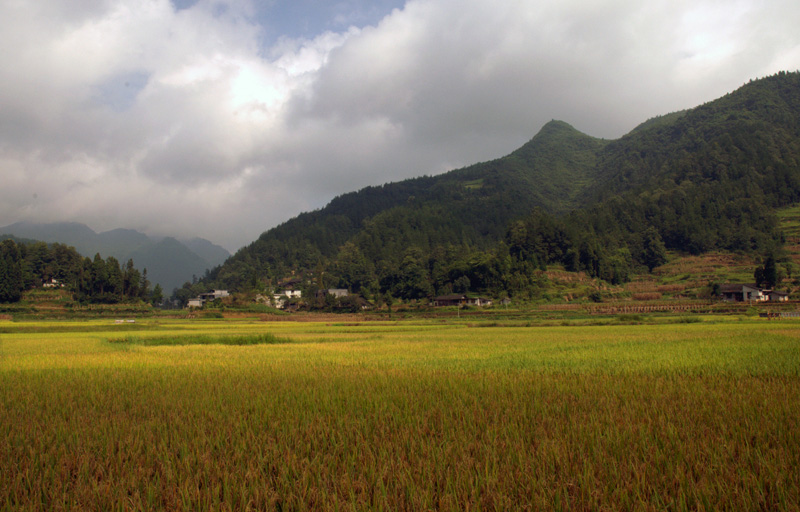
(11, 283)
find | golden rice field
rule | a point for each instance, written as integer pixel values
(428, 415)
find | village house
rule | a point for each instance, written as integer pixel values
(337, 292)
(776, 295)
(197, 302)
(479, 301)
(741, 293)
(214, 294)
(458, 299)
(750, 293)
(449, 300)
(281, 298)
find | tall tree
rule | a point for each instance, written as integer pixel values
(766, 276)
(157, 295)
(654, 252)
(11, 283)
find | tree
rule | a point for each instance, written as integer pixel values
(99, 275)
(11, 283)
(654, 252)
(413, 277)
(766, 276)
(461, 284)
(144, 287)
(131, 280)
(354, 270)
(157, 295)
(114, 273)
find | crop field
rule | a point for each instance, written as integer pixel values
(408, 415)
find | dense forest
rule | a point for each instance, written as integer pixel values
(29, 264)
(703, 179)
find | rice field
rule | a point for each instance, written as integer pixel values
(411, 415)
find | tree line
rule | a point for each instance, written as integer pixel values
(25, 266)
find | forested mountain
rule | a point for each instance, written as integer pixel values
(169, 262)
(27, 264)
(469, 207)
(702, 179)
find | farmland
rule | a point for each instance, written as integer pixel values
(416, 414)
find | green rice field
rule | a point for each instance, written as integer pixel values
(409, 415)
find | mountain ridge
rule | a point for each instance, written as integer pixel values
(170, 268)
(700, 179)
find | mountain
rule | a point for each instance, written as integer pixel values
(121, 242)
(168, 261)
(752, 133)
(470, 206)
(77, 234)
(213, 254)
(701, 179)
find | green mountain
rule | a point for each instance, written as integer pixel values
(470, 206)
(697, 180)
(168, 261)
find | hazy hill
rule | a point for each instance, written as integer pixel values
(168, 261)
(72, 233)
(701, 179)
(213, 254)
(121, 243)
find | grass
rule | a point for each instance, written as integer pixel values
(255, 339)
(401, 415)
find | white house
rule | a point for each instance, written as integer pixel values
(741, 293)
(280, 299)
(214, 294)
(776, 295)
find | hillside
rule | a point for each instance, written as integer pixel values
(169, 262)
(470, 206)
(704, 179)
(752, 133)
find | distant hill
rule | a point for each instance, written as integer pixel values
(213, 254)
(168, 261)
(707, 178)
(122, 242)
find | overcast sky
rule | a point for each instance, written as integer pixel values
(223, 118)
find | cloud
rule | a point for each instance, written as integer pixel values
(179, 120)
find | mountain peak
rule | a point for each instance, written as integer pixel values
(556, 124)
(710, 148)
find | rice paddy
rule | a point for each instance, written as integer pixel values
(410, 415)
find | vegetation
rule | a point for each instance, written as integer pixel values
(253, 339)
(702, 180)
(409, 415)
(26, 266)
(170, 262)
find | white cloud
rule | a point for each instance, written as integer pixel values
(130, 113)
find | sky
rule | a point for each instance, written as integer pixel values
(224, 118)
